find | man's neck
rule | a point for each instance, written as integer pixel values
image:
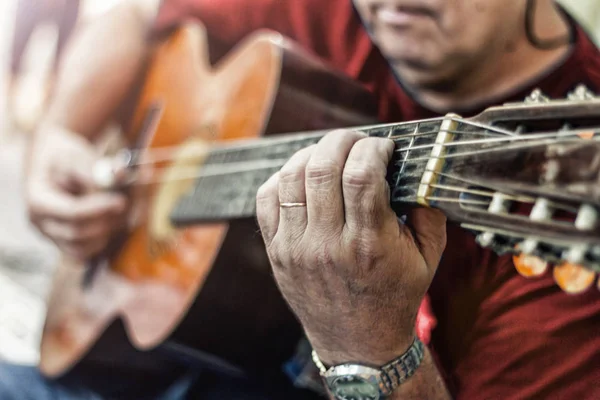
(501, 74)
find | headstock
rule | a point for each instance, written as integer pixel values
(540, 113)
(526, 182)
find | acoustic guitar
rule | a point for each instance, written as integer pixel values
(190, 272)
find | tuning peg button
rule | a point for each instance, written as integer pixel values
(485, 239)
(499, 204)
(581, 92)
(529, 266)
(587, 218)
(537, 96)
(541, 211)
(576, 253)
(528, 246)
(573, 278)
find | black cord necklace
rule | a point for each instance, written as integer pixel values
(549, 44)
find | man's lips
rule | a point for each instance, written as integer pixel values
(398, 16)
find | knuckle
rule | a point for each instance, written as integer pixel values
(322, 172)
(275, 258)
(266, 191)
(365, 251)
(359, 175)
(275, 254)
(324, 258)
(323, 254)
(296, 255)
(283, 254)
(291, 173)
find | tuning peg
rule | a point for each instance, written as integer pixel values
(541, 210)
(580, 93)
(576, 253)
(495, 242)
(499, 204)
(537, 97)
(485, 239)
(529, 266)
(587, 218)
(573, 278)
(528, 246)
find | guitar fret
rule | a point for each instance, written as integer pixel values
(410, 144)
(232, 175)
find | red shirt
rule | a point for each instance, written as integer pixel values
(499, 336)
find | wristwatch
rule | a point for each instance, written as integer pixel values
(364, 382)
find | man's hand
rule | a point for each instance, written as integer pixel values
(62, 199)
(354, 275)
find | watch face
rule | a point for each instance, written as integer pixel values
(354, 388)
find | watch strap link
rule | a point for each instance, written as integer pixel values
(399, 370)
(395, 372)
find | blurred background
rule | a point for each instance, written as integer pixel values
(26, 259)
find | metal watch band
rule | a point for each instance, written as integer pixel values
(395, 372)
(399, 370)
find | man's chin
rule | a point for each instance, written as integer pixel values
(404, 60)
(416, 75)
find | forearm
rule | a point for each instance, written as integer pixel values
(98, 69)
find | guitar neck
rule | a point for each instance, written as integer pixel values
(522, 177)
(231, 175)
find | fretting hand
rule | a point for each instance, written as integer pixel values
(354, 275)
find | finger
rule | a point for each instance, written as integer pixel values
(76, 173)
(82, 251)
(293, 219)
(81, 232)
(428, 229)
(267, 208)
(54, 204)
(325, 204)
(366, 192)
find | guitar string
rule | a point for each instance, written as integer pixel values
(212, 170)
(451, 188)
(243, 166)
(162, 154)
(497, 140)
(530, 137)
(278, 163)
(250, 144)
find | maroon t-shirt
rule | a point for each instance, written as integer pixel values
(499, 335)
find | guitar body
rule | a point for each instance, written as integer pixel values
(206, 288)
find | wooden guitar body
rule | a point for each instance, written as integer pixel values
(207, 288)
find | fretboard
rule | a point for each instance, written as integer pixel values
(232, 174)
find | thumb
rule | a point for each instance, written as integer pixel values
(75, 172)
(428, 227)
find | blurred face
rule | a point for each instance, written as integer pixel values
(438, 39)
